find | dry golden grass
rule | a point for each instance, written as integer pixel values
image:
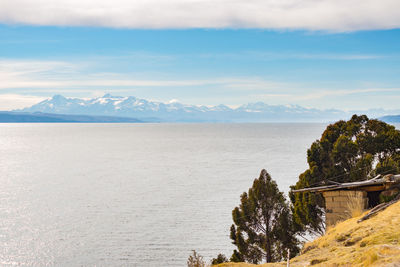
(230, 264)
(355, 206)
(374, 242)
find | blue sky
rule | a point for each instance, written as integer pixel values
(336, 66)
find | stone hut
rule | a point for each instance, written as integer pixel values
(343, 200)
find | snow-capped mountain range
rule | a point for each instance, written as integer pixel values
(175, 111)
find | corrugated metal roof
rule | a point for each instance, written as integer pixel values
(389, 179)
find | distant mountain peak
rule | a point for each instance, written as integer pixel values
(173, 101)
(175, 111)
(108, 95)
(58, 97)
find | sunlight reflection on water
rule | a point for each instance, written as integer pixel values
(134, 194)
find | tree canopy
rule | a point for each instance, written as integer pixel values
(219, 259)
(347, 151)
(262, 226)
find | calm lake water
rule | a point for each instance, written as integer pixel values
(134, 194)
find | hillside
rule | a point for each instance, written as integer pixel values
(374, 242)
(9, 117)
(391, 119)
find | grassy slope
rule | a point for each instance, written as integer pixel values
(374, 242)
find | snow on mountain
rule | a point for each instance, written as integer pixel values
(109, 105)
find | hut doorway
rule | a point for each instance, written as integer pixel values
(373, 198)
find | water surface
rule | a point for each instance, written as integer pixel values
(134, 194)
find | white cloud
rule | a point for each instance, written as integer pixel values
(255, 55)
(332, 15)
(350, 99)
(294, 96)
(55, 75)
(35, 77)
(15, 101)
(331, 93)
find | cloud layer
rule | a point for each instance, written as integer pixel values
(60, 74)
(330, 15)
(40, 79)
(16, 101)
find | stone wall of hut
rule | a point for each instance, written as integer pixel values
(344, 204)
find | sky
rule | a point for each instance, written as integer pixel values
(322, 54)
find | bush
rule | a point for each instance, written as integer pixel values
(196, 260)
(220, 259)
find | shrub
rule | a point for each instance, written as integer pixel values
(219, 259)
(196, 260)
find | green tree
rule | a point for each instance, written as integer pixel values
(347, 151)
(221, 258)
(236, 256)
(262, 226)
